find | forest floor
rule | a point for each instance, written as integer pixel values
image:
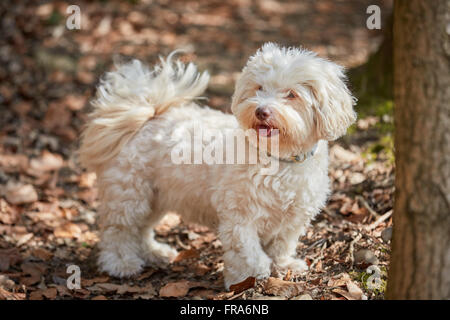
(47, 202)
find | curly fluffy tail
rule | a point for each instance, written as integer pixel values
(128, 97)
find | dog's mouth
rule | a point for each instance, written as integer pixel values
(265, 130)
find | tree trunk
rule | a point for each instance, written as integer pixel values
(420, 260)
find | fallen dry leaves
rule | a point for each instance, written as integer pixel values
(353, 292)
(187, 254)
(8, 258)
(175, 289)
(244, 285)
(17, 193)
(278, 287)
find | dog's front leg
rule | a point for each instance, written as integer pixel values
(282, 249)
(243, 254)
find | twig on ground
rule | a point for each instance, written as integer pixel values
(319, 257)
(180, 243)
(352, 248)
(381, 219)
(329, 212)
(372, 212)
(237, 295)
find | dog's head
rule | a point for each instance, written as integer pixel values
(303, 96)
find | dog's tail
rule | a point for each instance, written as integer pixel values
(128, 97)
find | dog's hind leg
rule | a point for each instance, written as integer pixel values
(125, 206)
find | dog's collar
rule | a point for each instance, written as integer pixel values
(299, 158)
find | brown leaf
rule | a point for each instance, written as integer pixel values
(68, 230)
(8, 215)
(346, 207)
(20, 193)
(201, 269)
(36, 295)
(22, 238)
(145, 275)
(343, 293)
(57, 115)
(203, 293)
(42, 254)
(278, 287)
(353, 291)
(104, 287)
(136, 289)
(88, 195)
(50, 293)
(90, 282)
(46, 162)
(288, 275)
(175, 289)
(244, 285)
(169, 221)
(337, 282)
(85, 77)
(343, 154)
(9, 257)
(223, 295)
(6, 295)
(100, 297)
(187, 254)
(13, 162)
(87, 180)
(81, 293)
(34, 270)
(63, 290)
(29, 281)
(6, 282)
(75, 102)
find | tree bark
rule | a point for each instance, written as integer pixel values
(420, 260)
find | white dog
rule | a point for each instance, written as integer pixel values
(259, 218)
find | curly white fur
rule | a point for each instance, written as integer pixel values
(258, 218)
(130, 96)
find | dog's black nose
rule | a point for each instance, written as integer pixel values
(262, 113)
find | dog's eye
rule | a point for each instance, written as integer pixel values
(259, 88)
(291, 95)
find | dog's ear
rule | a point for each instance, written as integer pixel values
(334, 103)
(241, 87)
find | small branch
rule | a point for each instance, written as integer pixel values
(352, 248)
(366, 205)
(319, 257)
(237, 295)
(180, 243)
(381, 219)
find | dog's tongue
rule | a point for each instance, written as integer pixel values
(263, 130)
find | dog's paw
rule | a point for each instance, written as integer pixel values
(261, 269)
(160, 253)
(238, 270)
(295, 265)
(120, 267)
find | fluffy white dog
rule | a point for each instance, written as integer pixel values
(140, 115)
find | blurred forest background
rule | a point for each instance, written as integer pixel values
(47, 202)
